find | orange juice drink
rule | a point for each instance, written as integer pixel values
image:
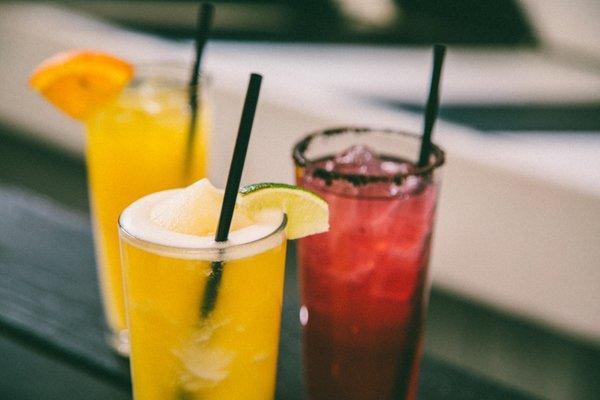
(136, 145)
(137, 121)
(179, 351)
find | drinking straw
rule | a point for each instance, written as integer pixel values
(204, 23)
(433, 102)
(231, 189)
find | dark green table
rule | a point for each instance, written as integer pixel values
(51, 327)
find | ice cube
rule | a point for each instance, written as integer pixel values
(148, 98)
(358, 159)
(261, 356)
(356, 155)
(205, 365)
(395, 167)
(151, 107)
(361, 159)
(413, 185)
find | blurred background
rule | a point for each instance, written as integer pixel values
(516, 263)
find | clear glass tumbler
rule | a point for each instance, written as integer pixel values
(178, 350)
(364, 283)
(136, 145)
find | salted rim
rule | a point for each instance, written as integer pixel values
(300, 159)
(211, 251)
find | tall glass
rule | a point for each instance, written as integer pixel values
(136, 145)
(364, 283)
(180, 353)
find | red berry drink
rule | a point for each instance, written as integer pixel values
(364, 283)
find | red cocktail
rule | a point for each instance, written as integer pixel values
(364, 283)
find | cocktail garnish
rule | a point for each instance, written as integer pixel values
(307, 213)
(77, 82)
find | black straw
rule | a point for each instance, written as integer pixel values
(204, 23)
(433, 102)
(231, 190)
(239, 157)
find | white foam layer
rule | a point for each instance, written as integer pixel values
(139, 230)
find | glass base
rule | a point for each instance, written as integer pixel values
(119, 341)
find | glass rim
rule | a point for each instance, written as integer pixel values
(302, 161)
(216, 250)
(177, 65)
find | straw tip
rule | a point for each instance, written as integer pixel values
(205, 19)
(207, 7)
(439, 49)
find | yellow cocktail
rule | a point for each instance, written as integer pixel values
(177, 351)
(137, 121)
(136, 145)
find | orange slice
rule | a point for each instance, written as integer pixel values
(79, 81)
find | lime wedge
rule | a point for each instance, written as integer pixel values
(307, 213)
